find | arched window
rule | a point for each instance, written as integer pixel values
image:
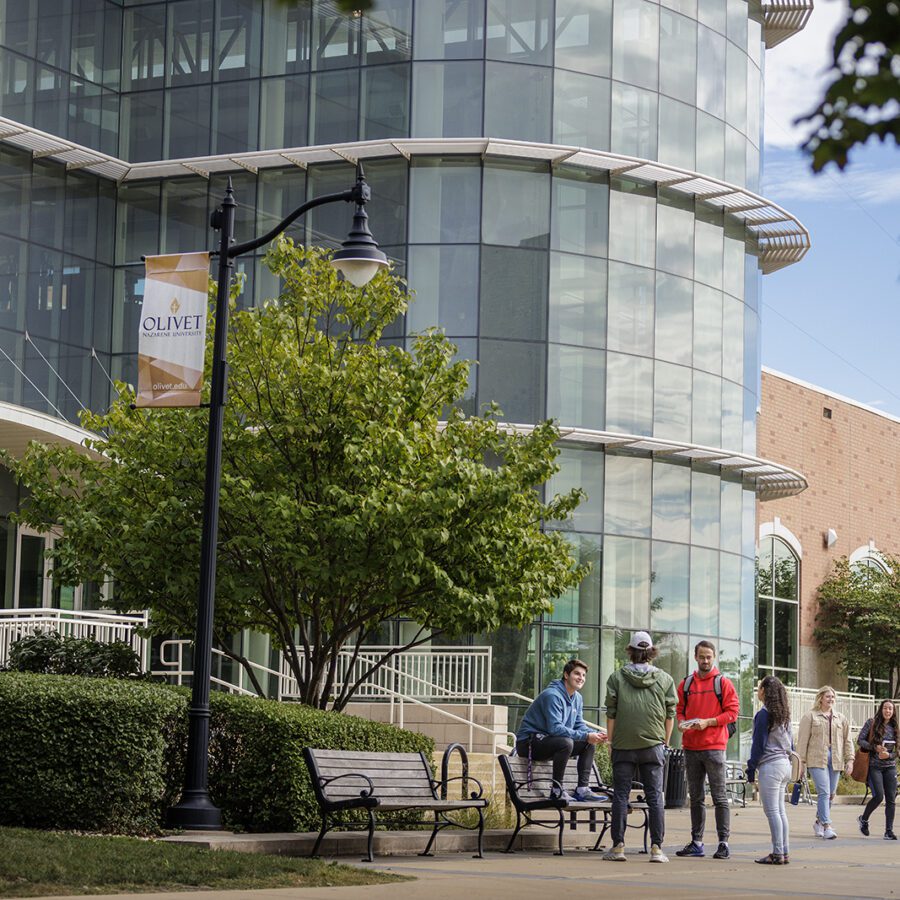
(777, 608)
(861, 680)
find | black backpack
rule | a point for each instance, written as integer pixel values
(717, 687)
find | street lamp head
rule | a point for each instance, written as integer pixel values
(359, 258)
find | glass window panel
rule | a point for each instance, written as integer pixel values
(736, 87)
(732, 416)
(47, 195)
(785, 634)
(445, 200)
(190, 41)
(187, 126)
(51, 96)
(80, 234)
(674, 318)
(707, 329)
(16, 87)
(632, 210)
(581, 604)
(385, 102)
(753, 128)
(584, 469)
(561, 644)
(238, 35)
(513, 293)
(733, 271)
(15, 183)
(736, 22)
(387, 32)
(712, 13)
(704, 591)
(583, 32)
(335, 38)
(634, 121)
(732, 339)
(711, 145)
(630, 309)
(520, 31)
(513, 374)
(751, 350)
(284, 112)
(449, 29)
(629, 394)
(236, 117)
(750, 411)
(675, 235)
(581, 110)
(387, 209)
(786, 571)
(16, 29)
(516, 208)
(447, 99)
(628, 490)
(518, 101)
(705, 508)
(513, 662)
(753, 163)
(334, 102)
(183, 224)
(732, 517)
(636, 43)
(626, 582)
(42, 313)
(576, 386)
(286, 37)
(139, 215)
(144, 44)
(672, 402)
(755, 45)
(748, 599)
(671, 502)
(673, 654)
(669, 587)
(764, 632)
(445, 281)
(278, 193)
(707, 410)
(748, 541)
(735, 157)
(677, 56)
(577, 300)
(752, 276)
(579, 212)
(96, 33)
(711, 72)
(677, 129)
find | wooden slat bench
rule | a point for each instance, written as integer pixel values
(388, 782)
(736, 783)
(528, 801)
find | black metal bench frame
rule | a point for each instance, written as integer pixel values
(526, 808)
(369, 800)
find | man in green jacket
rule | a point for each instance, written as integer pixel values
(640, 713)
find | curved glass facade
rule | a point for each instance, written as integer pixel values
(605, 303)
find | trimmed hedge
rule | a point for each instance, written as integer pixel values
(107, 755)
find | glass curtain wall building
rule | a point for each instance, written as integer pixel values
(568, 185)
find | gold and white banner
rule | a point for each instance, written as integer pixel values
(173, 330)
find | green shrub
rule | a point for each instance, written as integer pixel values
(91, 754)
(257, 773)
(51, 653)
(603, 761)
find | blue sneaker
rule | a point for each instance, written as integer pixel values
(691, 849)
(586, 795)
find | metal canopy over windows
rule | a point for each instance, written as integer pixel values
(783, 239)
(784, 18)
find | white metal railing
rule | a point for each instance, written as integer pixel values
(855, 707)
(101, 626)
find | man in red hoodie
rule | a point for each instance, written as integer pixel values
(707, 705)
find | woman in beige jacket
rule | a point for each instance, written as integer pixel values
(825, 748)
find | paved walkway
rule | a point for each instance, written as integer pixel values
(850, 867)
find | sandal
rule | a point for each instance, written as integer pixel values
(773, 859)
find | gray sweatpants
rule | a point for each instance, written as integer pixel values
(701, 765)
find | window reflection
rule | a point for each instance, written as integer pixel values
(705, 508)
(516, 209)
(581, 605)
(636, 42)
(580, 468)
(633, 208)
(560, 644)
(513, 374)
(445, 200)
(445, 281)
(674, 318)
(677, 56)
(449, 29)
(581, 110)
(579, 212)
(520, 31)
(671, 502)
(629, 394)
(626, 582)
(447, 99)
(628, 491)
(704, 591)
(576, 381)
(675, 235)
(669, 586)
(630, 309)
(583, 36)
(672, 402)
(730, 596)
(513, 293)
(517, 101)
(577, 300)
(706, 425)
(634, 121)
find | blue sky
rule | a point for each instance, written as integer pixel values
(834, 318)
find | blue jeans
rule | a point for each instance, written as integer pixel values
(825, 780)
(644, 765)
(773, 779)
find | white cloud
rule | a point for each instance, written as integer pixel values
(787, 178)
(796, 73)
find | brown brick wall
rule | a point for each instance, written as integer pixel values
(852, 464)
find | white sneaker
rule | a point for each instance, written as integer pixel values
(829, 834)
(616, 853)
(656, 854)
(818, 829)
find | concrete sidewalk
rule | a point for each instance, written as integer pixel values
(850, 867)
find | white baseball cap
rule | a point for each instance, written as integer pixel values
(641, 640)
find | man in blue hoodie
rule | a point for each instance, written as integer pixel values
(553, 728)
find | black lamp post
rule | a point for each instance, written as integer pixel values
(359, 260)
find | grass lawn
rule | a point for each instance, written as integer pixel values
(40, 863)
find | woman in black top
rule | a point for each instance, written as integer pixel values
(879, 737)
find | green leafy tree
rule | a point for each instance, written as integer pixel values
(344, 503)
(863, 98)
(858, 621)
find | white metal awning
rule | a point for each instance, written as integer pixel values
(784, 18)
(19, 426)
(782, 238)
(769, 480)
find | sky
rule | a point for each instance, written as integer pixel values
(832, 319)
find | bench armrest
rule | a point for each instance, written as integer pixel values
(474, 795)
(366, 792)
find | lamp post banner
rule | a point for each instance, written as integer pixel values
(172, 337)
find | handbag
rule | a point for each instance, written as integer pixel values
(860, 770)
